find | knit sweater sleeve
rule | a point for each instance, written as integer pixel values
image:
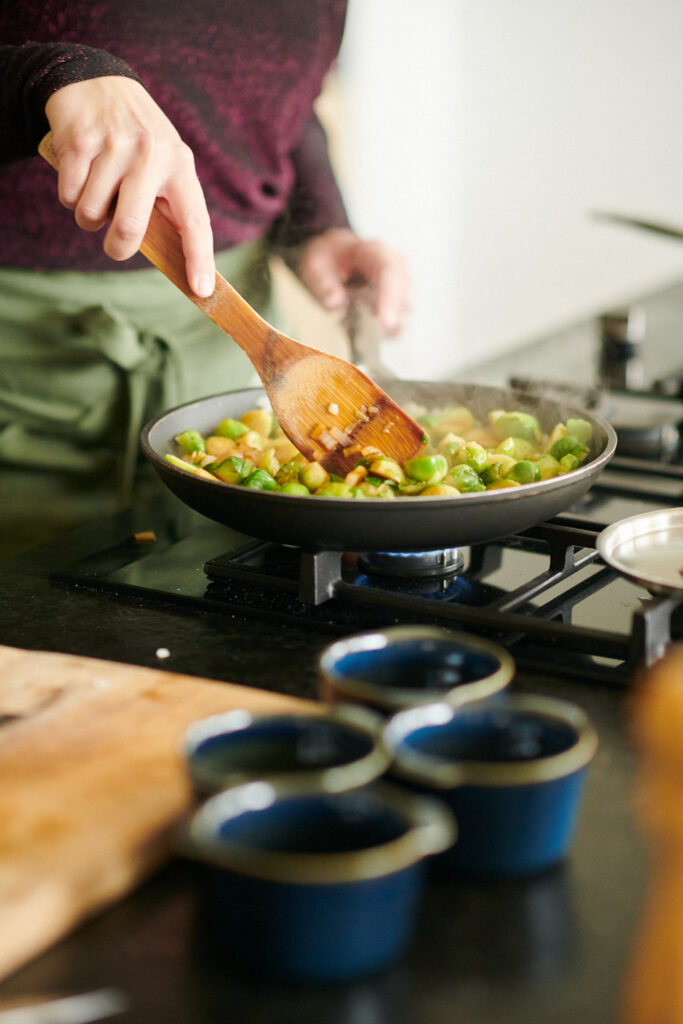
(29, 74)
(315, 203)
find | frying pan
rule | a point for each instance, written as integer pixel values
(401, 524)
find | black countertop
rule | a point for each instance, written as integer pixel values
(550, 949)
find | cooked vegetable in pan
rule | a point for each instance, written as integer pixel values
(460, 456)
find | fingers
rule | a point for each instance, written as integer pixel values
(74, 167)
(333, 265)
(186, 208)
(386, 271)
(118, 156)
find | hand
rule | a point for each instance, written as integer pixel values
(333, 263)
(114, 142)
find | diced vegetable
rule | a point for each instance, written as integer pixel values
(461, 456)
(518, 424)
(567, 445)
(313, 476)
(524, 472)
(191, 441)
(292, 487)
(233, 469)
(261, 480)
(431, 468)
(580, 429)
(231, 428)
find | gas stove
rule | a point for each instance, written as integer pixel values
(544, 593)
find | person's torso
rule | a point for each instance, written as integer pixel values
(237, 79)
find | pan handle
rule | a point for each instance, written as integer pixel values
(363, 333)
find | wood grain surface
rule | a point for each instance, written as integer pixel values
(93, 782)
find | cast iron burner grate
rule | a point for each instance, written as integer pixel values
(544, 594)
(542, 636)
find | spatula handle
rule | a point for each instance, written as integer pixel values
(162, 246)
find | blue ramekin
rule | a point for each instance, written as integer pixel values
(334, 750)
(315, 887)
(401, 666)
(512, 771)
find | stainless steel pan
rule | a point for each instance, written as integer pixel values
(403, 524)
(648, 549)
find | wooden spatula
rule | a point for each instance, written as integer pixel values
(329, 408)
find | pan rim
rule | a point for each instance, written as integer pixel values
(418, 501)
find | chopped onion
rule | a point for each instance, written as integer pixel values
(340, 436)
(328, 441)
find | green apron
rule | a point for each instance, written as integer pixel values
(85, 360)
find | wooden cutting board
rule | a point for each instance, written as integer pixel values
(91, 782)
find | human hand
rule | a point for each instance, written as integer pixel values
(333, 263)
(114, 143)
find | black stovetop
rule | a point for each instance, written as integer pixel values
(544, 593)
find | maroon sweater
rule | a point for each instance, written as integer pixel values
(237, 78)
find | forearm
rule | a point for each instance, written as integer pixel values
(29, 75)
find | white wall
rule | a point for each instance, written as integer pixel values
(477, 136)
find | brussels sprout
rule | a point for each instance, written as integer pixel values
(568, 462)
(516, 447)
(431, 468)
(261, 481)
(474, 455)
(489, 475)
(233, 469)
(567, 445)
(378, 488)
(524, 472)
(230, 428)
(507, 446)
(412, 487)
(500, 464)
(191, 441)
(288, 473)
(580, 429)
(464, 479)
(313, 475)
(547, 466)
(441, 491)
(292, 487)
(334, 489)
(429, 420)
(387, 468)
(518, 424)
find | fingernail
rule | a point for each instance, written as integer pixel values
(204, 286)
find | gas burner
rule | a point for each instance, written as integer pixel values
(412, 564)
